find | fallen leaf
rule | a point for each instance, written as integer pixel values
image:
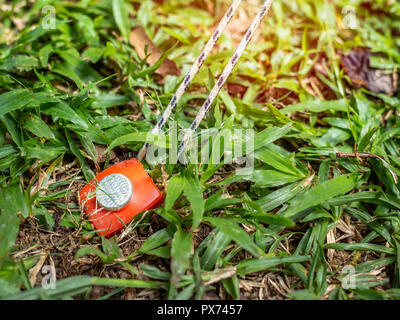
(235, 89)
(33, 272)
(102, 154)
(357, 66)
(139, 40)
(239, 25)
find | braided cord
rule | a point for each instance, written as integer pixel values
(224, 76)
(192, 73)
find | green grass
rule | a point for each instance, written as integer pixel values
(78, 98)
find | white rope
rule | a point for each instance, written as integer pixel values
(224, 76)
(192, 73)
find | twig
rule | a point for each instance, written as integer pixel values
(356, 155)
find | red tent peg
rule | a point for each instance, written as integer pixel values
(117, 195)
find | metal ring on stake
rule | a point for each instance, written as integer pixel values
(117, 195)
(114, 192)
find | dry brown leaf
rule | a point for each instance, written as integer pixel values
(235, 89)
(330, 238)
(139, 40)
(21, 253)
(356, 65)
(33, 272)
(239, 25)
(222, 274)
